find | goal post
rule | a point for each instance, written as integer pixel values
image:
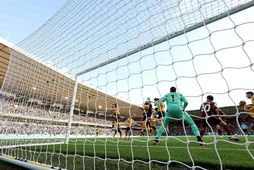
(71, 110)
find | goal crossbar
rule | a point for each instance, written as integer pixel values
(170, 36)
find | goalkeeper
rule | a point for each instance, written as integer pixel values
(176, 104)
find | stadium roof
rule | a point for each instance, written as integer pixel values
(23, 74)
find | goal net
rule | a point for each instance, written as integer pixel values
(82, 91)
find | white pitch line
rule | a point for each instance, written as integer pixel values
(150, 146)
(31, 144)
(173, 147)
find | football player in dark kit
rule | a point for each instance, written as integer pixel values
(215, 117)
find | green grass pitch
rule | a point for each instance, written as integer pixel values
(126, 154)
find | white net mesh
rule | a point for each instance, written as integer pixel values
(94, 64)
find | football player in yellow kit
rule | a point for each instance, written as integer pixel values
(249, 108)
(129, 124)
(153, 123)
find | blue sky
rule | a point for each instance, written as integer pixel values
(20, 18)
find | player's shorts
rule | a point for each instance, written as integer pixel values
(161, 114)
(147, 115)
(119, 130)
(153, 127)
(114, 129)
(211, 121)
(128, 128)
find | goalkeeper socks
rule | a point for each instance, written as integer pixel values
(199, 139)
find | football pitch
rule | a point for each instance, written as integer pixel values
(138, 153)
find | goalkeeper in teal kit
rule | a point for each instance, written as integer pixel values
(176, 104)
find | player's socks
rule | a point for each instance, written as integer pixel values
(226, 128)
(200, 141)
(234, 138)
(155, 141)
(219, 132)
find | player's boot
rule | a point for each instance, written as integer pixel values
(234, 138)
(200, 141)
(220, 136)
(155, 141)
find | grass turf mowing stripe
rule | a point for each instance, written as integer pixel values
(175, 147)
(234, 155)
